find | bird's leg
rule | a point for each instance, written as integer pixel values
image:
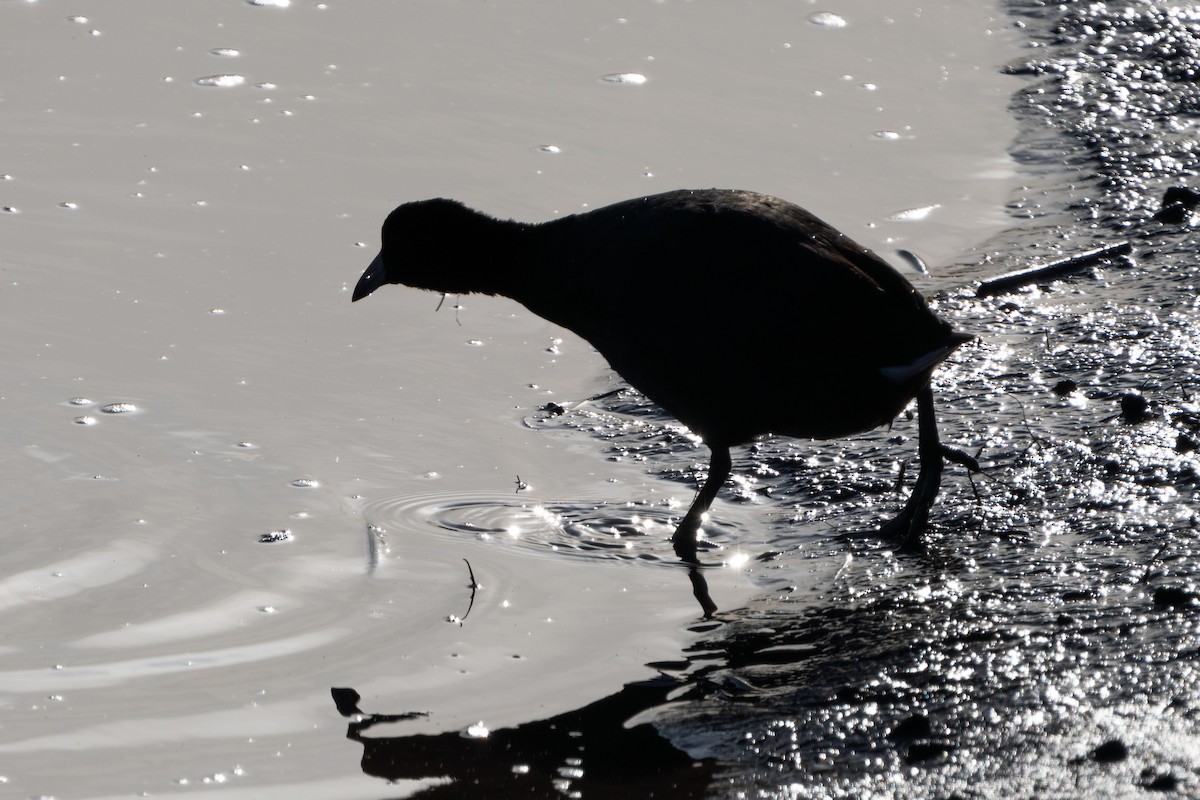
(910, 522)
(684, 540)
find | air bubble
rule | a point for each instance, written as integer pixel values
(221, 81)
(274, 537)
(914, 214)
(629, 78)
(118, 408)
(305, 483)
(85, 420)
(80, 401)
(827, 19)
(226, 52)
(270, 3)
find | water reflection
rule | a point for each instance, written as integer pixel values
(590, 752)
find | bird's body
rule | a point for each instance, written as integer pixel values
(739, 313)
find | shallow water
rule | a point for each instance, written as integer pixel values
(1045, 644)
(228, 491)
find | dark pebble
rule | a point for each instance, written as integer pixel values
(1110, 752)
(1174, 597)
(1065, 387)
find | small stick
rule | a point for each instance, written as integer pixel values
(474, 587)
(1055, 269)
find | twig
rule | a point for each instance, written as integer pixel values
(1055, 269)
(474, 588)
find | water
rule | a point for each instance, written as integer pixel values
(437, 543)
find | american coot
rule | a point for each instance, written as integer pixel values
(739, 313)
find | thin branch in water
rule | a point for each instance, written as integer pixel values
(1055, 269)
(474, 587)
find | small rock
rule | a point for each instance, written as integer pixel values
(1110, 752)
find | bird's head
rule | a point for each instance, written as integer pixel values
(439, 244)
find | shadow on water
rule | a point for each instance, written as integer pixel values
(1047, 643)
(590, 752)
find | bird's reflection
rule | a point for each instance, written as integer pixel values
(588, 752)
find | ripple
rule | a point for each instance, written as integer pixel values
(627, 532)
(221, 81)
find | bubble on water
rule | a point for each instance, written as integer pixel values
(887, 135)
(69, 205)
(827, 19)
(629, 78)
(221, 81)
(85, 420)
(305, 483)
(118, 408)
(275, 537)
(550, 148)
(248, 445)
(914, 214)
(267, 85)
(476, 731)
(78, 20)
(227, 52)
(270, 3)
(80, 401)
(11, 210)
(216, 311)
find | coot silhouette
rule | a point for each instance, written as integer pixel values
(739, 313)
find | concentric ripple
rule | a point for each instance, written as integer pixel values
(622, 531)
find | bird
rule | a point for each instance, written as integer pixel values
(738, 313)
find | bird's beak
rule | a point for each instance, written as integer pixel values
(371, 280)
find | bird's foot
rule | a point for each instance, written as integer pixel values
(907, 527)
(685, 543)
